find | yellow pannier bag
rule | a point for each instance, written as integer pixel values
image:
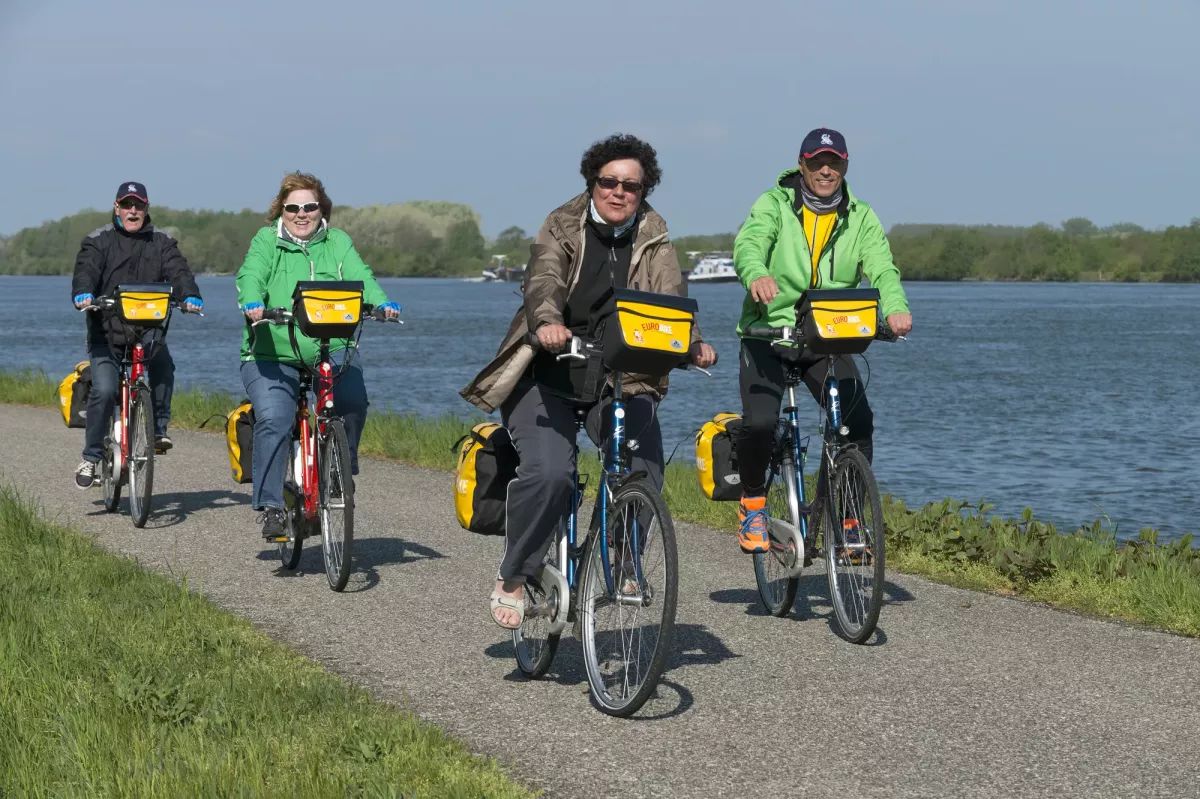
(716, 461)
(647, 333)
(487, 462)
(239, 441)
(838, 321)
(144, 304)
(73, 395)
(326, 309)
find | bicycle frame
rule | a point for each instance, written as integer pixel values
(571, 551)
(322, 376)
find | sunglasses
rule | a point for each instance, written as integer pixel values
(308, 208)
(631, 186)
(129, 203)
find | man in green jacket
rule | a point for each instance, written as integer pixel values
(808, 231)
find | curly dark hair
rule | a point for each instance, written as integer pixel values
(615, 147)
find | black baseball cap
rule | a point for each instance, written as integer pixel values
(824, 140)
(132, 188)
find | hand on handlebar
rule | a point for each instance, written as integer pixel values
(82, 300)
(900, 323)
(253, 311)
(553, 337)
(702, 355)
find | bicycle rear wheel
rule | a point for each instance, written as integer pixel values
(773, 568)
(110, 473)
(337, 504)
(533, 642)
(627, 631)
(141, 456)
(854, 541)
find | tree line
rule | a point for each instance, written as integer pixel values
(1076, 250)
(443, 239)
(403, 240)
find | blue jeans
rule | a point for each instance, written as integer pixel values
(273, 389)
(106, 392)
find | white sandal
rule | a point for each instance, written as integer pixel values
(515, 604)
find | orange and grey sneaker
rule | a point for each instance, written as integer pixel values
(752, 512)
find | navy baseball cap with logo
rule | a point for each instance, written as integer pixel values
(824, 140)
(132, 188)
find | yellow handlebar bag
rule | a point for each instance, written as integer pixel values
(144, 304)
(647, 333)
(838, 321)
(326, 309)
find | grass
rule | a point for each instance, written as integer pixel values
(952, 542)
(118, 682)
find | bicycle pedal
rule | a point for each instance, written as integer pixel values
(280, 539)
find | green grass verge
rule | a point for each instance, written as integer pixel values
(953, 542)
(118, 682)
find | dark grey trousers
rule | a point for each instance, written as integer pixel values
(543, 428)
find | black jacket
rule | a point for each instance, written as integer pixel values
(109, 256)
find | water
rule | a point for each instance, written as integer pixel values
(1076, 400)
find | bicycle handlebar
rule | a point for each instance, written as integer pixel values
(882, 333)
(280, 316)
(103, 302)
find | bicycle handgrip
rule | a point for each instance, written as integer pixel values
(762, 331)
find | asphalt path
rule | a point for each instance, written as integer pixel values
(959, 693)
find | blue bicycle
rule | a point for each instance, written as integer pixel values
(845, 515)
(618, 585)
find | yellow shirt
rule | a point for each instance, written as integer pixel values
(817, 228)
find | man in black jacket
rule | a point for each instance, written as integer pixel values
(128, 250)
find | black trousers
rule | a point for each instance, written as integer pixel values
(543, 430)
(761, 375)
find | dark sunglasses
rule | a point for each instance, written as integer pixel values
(130, 203)
(631, 186)
(308, 208)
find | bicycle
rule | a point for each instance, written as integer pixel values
(318, 490)
(846, 514)
(620, 589)
(128, 456)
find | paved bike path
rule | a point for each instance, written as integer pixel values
(962, 694)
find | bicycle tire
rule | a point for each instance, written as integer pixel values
(110, 478)
(624, 663)
(293, 509)
(141, 456)
(533, 643)
(854, 546)
(336, 509)
(772, 569)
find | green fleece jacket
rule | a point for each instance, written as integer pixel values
(273, 267)
(772, 243)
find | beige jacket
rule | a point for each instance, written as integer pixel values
(551, 275)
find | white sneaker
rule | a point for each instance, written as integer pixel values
(85, 475)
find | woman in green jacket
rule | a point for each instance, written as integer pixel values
(808, 231)
(297, 245)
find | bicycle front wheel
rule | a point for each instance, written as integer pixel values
(141, 456)
(854, 540)
(774, 568)
(110, 473)
(627, 629)
(337, 504)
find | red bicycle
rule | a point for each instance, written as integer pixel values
(318, 492)
(144, 309)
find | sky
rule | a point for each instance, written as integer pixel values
(1012, 113)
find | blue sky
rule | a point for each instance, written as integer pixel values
(1007, 113)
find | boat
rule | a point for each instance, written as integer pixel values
(497, 272)
(712, 267)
